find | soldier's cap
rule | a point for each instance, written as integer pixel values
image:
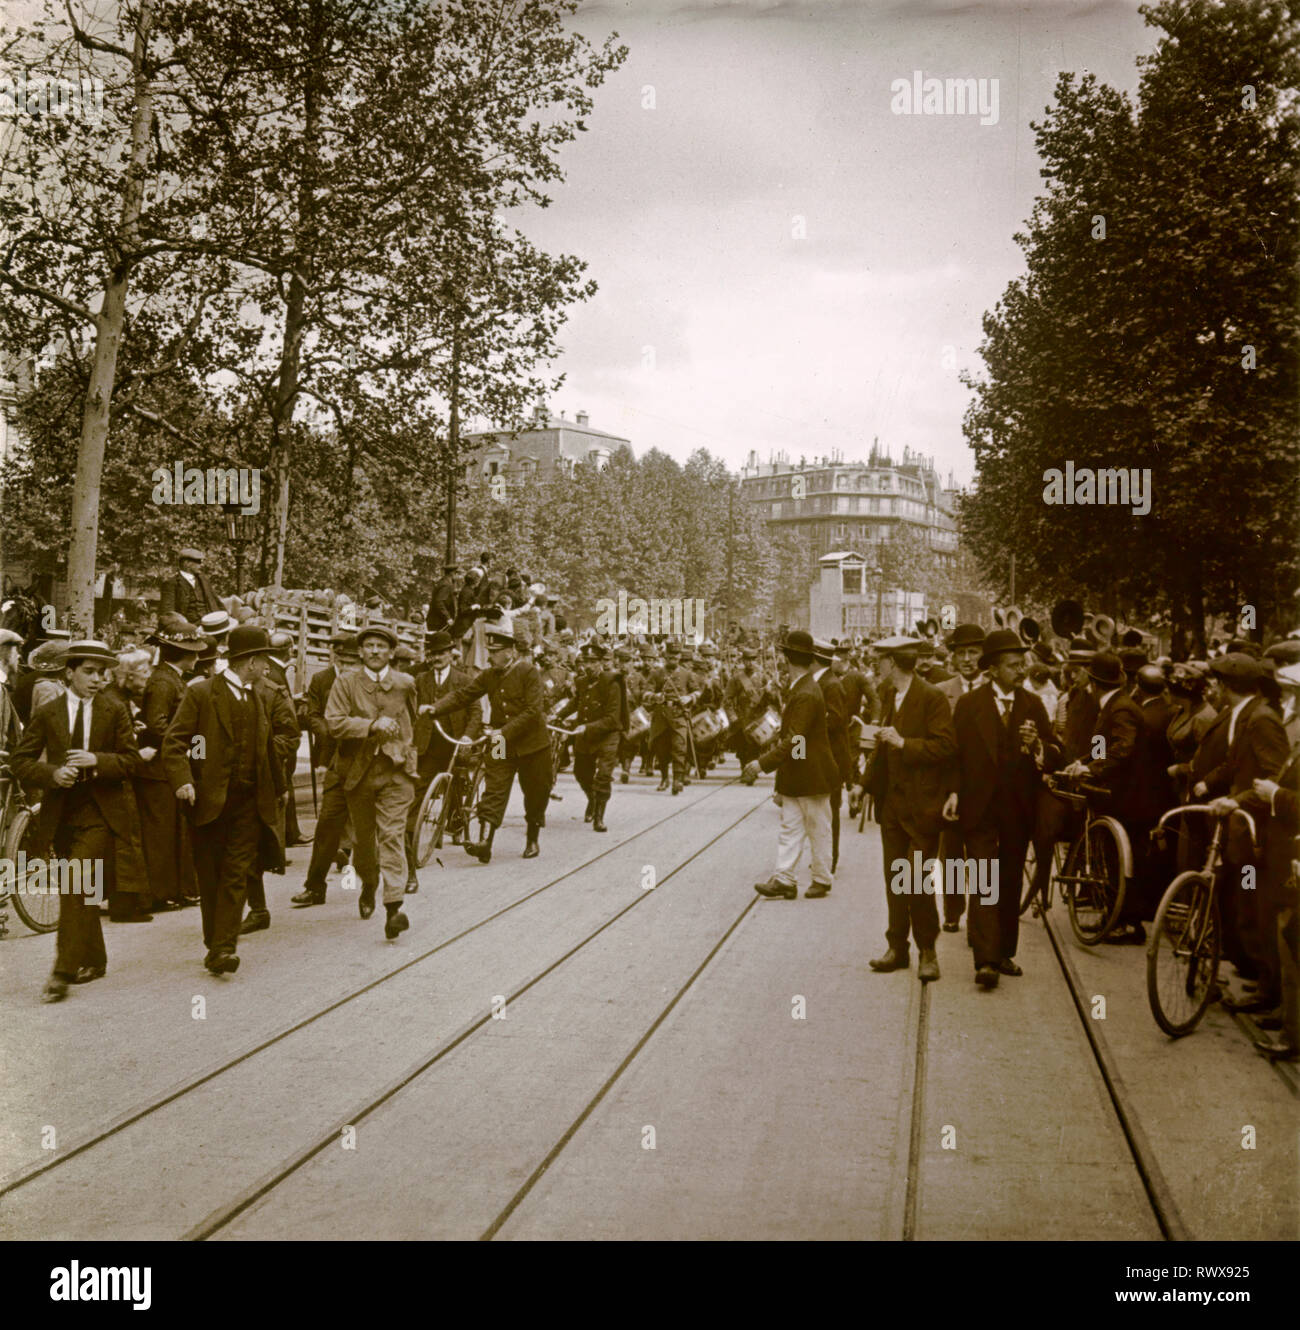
(377, 630)
(537, 589)
(966, 635)
(671, 649)
(897, 646)
(9, 638)
(247, 640)
(1285, 652)
(1238, 667)
(436, 642)
(89, 649)
(500, 631)
(216, 623)
(189, 552)
(1289, 675)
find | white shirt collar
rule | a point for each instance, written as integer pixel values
(189, 577)
(73, 701)
(440, 675)
(901, 692)
(1009, 696)
(1105, 697)
(1232, 720)
(376, 678)
(234, 682)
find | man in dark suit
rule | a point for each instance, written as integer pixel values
(222, 760)
(80, 750)
(331, 837)
(1004, 741)
(189, 593)
(272, 841)
(837, 734)
(966, 642)
(1116, 759)
(518, 741)
(806, 777)
(1254, 742)
(434, 752)
(444, 604)
(910, 778)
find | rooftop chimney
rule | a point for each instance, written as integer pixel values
(539, 413)
(582, 417)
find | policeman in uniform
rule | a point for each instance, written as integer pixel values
(518, 742)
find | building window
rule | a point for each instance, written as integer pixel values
(851, 579)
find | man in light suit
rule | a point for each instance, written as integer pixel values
(1004, 741)
(911, 776)
(371, 713)
(966, 644)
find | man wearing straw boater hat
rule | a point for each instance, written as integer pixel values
(223, 761)
(80, 751)
(518, 742)
(909, 779)
(371, 713)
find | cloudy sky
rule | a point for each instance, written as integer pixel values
(765, 113)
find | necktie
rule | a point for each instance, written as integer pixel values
(79, 728)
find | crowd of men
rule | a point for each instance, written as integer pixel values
(172, 763)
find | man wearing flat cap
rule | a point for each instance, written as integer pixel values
(1004, 742)
(806, 777)
(910, 776)
(518, 740)
(224, 761)
(189, 593)
(371, 714)
(80, 752)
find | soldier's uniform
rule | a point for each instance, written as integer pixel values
(601, 708)
(670, 730)
(744, 697)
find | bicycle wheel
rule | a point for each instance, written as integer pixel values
(1094, 883)
(429, 820)
(1027, 881)
(1183, 954)
(39, 912)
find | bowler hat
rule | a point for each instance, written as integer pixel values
(799, 643)
(1105, 668)
(248, 640)
(966, 635)
(378, 630)
(1132, 659)
(436, 642)
(998, 642)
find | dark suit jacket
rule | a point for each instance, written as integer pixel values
(977, 721)
(1125, 764)
(1155, 789)
(443, 606)
(515, 696)
(206, 710)
(837, 724)
(317, 695)
(162, 699)
(465, 724)
(189, 602)
(803, 716)
(1259, 749)
(915, 780)
(43, 749)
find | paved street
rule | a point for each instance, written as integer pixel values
(682, 1062)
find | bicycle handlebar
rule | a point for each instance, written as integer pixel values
(559, 729)
(460, 743)
(1074, 785)
(1208, 811)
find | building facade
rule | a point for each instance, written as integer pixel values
(550, 446)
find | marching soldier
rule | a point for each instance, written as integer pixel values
(518, 740)
(634, 684)
(332, 826)
(80, 751)
(673, 685)
(371, 713)
(602, 716)
(232, 781)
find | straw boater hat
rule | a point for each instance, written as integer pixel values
(89, 649)
(217, 623)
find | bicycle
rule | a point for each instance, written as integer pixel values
(1098, 865)
(39, 911)
(448, 803)
(1183, 951)
(1044, 903)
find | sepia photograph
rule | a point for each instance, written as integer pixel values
(642, 621)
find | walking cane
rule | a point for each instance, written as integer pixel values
(311, 759)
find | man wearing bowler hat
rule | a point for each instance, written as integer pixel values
(518, 742)
(189, 593)
(966, 642)
(224, 761)
(80, 751)
(910, 777)
(435, 752)
(371, 713)
(806, 777)
(1004, 741)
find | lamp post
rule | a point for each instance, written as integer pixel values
(880, 597)
(241, 527)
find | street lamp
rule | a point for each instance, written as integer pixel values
(241, 528)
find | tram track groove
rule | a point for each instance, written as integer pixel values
(20, 1177)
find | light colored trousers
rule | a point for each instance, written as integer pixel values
(378, 805)
(807, 817)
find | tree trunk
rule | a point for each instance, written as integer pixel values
(453, 448)
(84, 534)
